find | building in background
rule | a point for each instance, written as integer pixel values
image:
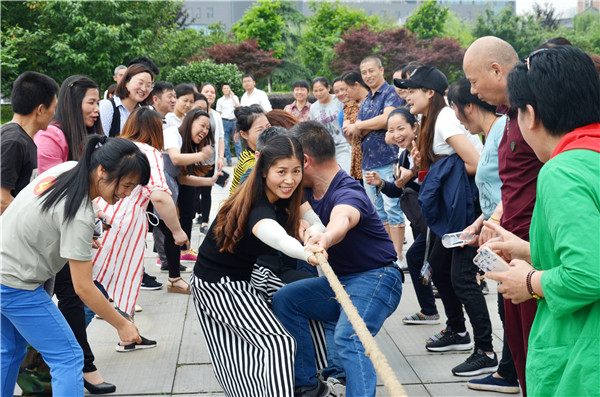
(205, 13)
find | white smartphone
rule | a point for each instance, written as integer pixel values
(488, 261)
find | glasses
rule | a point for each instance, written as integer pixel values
(527, 61)
(149, 86)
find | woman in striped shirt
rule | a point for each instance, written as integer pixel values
(119, 263)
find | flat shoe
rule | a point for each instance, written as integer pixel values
(102, 388)
(171, 287)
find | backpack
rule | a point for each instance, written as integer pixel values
(115, 126)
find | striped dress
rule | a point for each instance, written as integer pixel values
(119, 264)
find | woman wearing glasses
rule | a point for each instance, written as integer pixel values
(132, 91)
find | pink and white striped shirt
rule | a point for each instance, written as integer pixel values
(119, 264)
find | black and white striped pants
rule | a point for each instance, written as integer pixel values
(252, 353)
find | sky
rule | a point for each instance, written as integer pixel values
(559, 5)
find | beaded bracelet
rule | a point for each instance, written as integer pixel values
(529, 287)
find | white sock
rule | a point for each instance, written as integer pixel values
(462, 333)
(491, 356)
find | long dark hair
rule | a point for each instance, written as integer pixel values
(188, 146)
(119, 157)
(245, 116)
(144, 125)
(232, 218)
(427, 130)
(69, 117)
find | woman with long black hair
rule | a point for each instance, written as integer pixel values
(52, 221)
(232, 295)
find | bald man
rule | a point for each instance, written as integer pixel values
(486, 64)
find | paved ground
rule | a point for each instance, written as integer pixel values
(180, 366)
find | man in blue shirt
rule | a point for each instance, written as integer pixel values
(378, 156)
(360, 253)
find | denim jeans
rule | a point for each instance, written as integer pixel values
(229, 129)
(454, 275)
(31, 316)
(414, 260)
(388, 208)
(375, 293)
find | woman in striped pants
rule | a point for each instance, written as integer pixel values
(251, 352)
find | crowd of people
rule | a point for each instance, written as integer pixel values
(508, 157)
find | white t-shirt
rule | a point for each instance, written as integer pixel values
(446, 126)
(226, 106)
(172, 120)
(172, 138)
(258, 97)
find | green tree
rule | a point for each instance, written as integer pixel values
(585, 32)
(428, 20)
(524, 33)
(200, 72)
(329, 21)
(264, 23)
(458, 29)
(62, 38)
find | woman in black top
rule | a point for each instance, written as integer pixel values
(252, 353)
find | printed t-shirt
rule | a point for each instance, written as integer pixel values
(212, 265)
(19, 158)
(518, 167)
(35, 245)
(487, 179)
(367, 245)
(376, 152)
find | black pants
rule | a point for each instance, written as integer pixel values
(414, 261)
(205, 201)
(186, 204)
(506, 366)
(72, 308)
(172, 251)
(454, 276)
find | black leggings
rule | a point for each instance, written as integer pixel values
(172, 251)
(72, 308)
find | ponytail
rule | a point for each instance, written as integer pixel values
(118, 156)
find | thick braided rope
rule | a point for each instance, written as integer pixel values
(393, 386)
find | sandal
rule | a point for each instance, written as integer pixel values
(171, 287)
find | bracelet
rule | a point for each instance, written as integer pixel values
(495, 219)
(529, 287)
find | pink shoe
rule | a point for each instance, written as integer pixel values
(189, 256)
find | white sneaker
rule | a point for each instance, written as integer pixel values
(336, 387)
(138, 308)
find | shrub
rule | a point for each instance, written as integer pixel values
(206, 71)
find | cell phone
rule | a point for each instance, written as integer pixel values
(488, 261)
(222, 179)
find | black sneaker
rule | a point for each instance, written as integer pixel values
(478, 363)
(446, 341)
(321, 389)
(150, 283)
(146, 344)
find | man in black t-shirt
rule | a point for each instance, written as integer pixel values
(33, 102)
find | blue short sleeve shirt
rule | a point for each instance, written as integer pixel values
(376, 152)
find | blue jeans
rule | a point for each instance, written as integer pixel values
(31, 316)
(388, 208)
(375, 293)
(229, 129)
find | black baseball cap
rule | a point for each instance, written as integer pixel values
(425, 77)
